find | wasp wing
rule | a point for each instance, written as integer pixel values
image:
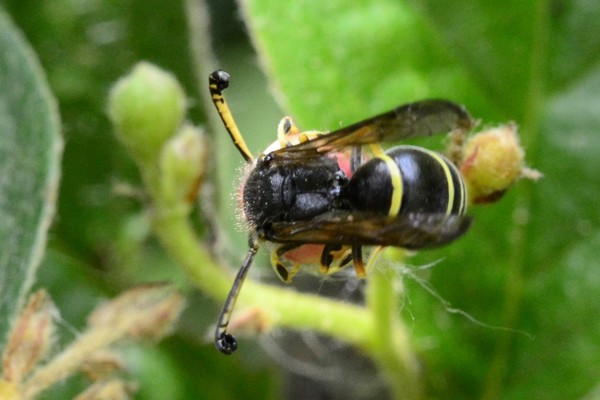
(410, 231)
(422, 118)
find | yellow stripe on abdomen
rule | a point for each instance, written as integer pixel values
(397, 186)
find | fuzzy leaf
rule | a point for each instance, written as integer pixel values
(30, 147)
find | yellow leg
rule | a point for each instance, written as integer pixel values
(309, 135)
(334, 258)
(359, 266)
(282, 270)
(373, 257)
(376, 149)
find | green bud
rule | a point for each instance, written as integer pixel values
(182, 165)
(147, 107)
(492, 161)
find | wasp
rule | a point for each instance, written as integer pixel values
(315, 190)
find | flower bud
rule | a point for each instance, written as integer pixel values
(147, 107)
(492, 161)
(182, 164)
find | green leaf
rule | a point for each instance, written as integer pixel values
(527, 270)
(30, 148)
(335, 63)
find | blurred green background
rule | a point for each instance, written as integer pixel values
(529, 264)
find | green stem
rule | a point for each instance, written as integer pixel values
(375, 329)
(391, 346)
(280, 306)
(176, 234)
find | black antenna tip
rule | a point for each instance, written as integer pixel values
(226, 343)
(219, 78)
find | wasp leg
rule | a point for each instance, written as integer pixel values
(288, 133)
(347, 259)
(373, 257)
(376, 149)
(331, 262)
(327, 256)
(359, 267)
(281, 270)
(309, 135)
(225, 342)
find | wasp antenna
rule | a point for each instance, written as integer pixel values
(218, 81)
(225, 342)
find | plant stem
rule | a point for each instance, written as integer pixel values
(280, 306)
(391, 346)
(374, 329)
(177, 236)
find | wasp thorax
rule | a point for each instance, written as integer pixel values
(290, 192)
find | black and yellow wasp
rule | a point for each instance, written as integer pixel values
(312, 189)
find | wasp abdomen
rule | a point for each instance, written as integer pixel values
(370, 188)
(407, 179)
